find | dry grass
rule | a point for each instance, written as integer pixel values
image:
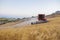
(46, 31)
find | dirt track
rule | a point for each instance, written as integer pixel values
(25, 23)
(28, 22)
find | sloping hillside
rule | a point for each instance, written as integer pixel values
(57, 13)
(45, 31)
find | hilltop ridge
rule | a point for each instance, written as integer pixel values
(57, 13)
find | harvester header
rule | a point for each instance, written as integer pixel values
(41, 19)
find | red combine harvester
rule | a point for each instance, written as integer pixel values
(41, 19)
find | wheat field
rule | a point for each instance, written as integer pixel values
(45, 31)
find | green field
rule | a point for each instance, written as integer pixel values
(7, 20)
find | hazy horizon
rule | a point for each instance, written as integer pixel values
(27, 8)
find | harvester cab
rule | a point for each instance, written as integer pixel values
(41, 19)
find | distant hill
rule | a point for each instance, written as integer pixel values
(57, 13)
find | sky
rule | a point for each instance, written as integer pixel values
(28, 8)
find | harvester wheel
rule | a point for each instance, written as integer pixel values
(31, 23)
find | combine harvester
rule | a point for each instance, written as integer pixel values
(41, 19)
